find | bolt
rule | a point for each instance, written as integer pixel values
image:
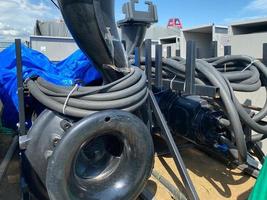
(65, 125)
(55, 139)
(48, 154)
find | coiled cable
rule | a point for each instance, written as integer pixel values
(229, 74)
(127, 93)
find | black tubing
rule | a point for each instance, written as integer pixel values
(233, 116)
(243, 81)
(230, 73)
(127, 93)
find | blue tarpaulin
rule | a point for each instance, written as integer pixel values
(66, 73)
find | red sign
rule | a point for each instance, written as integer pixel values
(175, 23)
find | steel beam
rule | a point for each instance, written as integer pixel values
(201, 90)
(190, 67)
(22, 127)
(190, 189)
(158, 65)
(264, 56)
(148, 62)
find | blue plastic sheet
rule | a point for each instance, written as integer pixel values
(76, 67)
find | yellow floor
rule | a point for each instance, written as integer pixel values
(212, 179)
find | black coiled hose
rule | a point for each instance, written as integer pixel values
(127, 93)
(230, 73)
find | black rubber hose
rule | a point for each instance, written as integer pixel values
(246, 118)
(128, 87)
(57, 90)
(127, 93)
(254, 63)
(243, 74)
(103, 105)
(233, 116)
(230, 73)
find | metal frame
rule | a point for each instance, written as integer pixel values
(22, 129)
(148, 64)
(190, 68)
(190, 189)
(153, 105)
(201, 90)
(25, 194)
(264, 56)
(188, 88)
(21, 125)
(158, 64)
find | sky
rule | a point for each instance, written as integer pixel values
(17, 17)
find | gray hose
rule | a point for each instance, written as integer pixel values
(127, 93)
(233, 116)
(230, 73)
(243, 75)
(175, 192)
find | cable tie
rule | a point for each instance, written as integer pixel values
(68, 98)
(121, 70)
(184, 85)
(171, 83)
(247, 67)
(27, 79)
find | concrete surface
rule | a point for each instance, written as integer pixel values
(248, 44)
(204, 36)
(248, 36)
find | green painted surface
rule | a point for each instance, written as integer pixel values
(260, 189)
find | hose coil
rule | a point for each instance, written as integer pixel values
(127, 93)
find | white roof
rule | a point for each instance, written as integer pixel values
(203, 29)
(251, 22)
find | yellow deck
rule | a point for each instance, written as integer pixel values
(212, 179)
